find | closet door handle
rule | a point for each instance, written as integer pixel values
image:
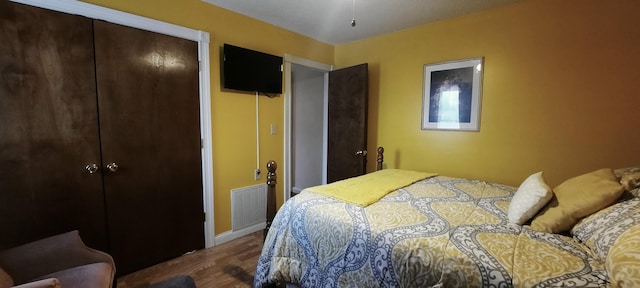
(91, 168)
(113, 167)
(361, 153)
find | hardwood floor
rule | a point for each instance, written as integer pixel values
(231, 264)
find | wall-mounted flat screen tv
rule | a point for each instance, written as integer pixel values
(248, 70)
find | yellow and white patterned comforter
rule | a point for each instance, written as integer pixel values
(441, 231)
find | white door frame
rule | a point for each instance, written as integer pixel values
(135, 21)
(288, 60)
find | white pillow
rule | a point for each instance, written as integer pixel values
(531, 196)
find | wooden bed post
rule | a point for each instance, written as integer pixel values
(271, 194)
(380, 158)
(271, 187)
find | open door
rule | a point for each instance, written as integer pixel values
(347, 122)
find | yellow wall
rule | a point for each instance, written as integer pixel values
(560, 90)
(233, 114)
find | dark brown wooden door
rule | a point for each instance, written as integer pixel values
(347, 122)
(150, 128)
(48, 127)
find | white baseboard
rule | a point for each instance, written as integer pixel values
(232, 235)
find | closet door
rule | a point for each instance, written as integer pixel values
(48, 127)
(150, 128)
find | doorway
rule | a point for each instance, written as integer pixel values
(306, 91)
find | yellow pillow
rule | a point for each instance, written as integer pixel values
(576, 198)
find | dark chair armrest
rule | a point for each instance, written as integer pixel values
(49, 255)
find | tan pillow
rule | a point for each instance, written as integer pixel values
(5, 279)
(531, 196)
(576, 198)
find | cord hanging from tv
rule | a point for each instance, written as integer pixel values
(252, 71)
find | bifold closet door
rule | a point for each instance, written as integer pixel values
(148, 98)
(48, 127)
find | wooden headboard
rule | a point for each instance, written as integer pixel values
(272, 181)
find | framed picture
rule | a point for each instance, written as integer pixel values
(451, 95)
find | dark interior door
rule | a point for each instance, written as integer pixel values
(347, 122)
(48, 127)
(150, 128)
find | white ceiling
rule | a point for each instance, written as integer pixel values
(329, 20)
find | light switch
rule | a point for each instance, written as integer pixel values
(274, 129)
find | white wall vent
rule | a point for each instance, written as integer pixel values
(248, 206)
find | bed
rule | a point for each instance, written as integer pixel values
(441, 231)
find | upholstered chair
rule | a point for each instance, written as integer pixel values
(58, 261)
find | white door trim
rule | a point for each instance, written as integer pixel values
(286, 167)
(202, 37)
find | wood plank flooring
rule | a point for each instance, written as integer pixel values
(231, 264)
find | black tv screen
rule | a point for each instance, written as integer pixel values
(249, 70)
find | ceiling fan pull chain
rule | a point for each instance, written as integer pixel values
(353, 19)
